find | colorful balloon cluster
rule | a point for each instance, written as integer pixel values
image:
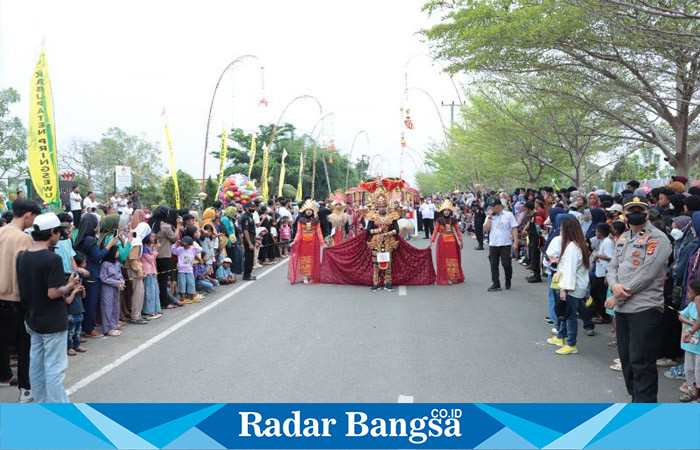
(237, 188)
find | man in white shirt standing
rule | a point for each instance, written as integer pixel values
(90, 204)
(427, 211)
(283, 211)
(503, 237)
(76, 205)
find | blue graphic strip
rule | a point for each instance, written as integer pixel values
(342, 426)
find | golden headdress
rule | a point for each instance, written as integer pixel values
(447, 205)
(309, 205)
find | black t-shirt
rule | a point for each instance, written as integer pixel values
(37, 272)
(247, 223)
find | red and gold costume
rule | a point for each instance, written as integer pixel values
(448, 254)
(305, 253)
(340, 221)
(382, 235)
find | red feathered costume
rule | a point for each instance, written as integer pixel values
(448, 252)
(305, 253)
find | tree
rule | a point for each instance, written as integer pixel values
(83, 158)
(238, 158)
(640, 58)
(188, 189)
(212, 191)
(13, 139)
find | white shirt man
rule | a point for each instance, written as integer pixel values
(90, 203)
(121, 204)
(503, 236)
(75, 201)
(427, 209)
(284, 212)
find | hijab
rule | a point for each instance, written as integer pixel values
(87, 229)
(159, 215)
(597, 217)
(142, 231)
(230, 212)
(136, 218)
(109, 224)
(593, 200)
(554, 212)
(111, 254)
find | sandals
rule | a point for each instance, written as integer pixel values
(612, 343)
(72, 352)
(689, 397)
(171, 306)
(114, 333)
(81, 349)
(138, 321)
(95, 334)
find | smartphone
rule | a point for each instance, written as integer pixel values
(133, 234)
(115, 233)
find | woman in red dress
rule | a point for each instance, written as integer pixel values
(305, 260)
(448, 251)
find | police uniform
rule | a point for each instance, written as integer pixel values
(639, 263)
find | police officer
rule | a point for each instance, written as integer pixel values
(636, 277)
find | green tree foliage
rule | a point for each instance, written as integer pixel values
(13, 141)
(639, 57)
(188, 189)
(212, 190)
(95, 161)
(287, 136)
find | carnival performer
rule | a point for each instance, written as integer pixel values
(448, 253)
(340, 221)
(305, 262)
(382, 232)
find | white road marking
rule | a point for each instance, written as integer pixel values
(127, 356)
(402, 291)
(405, 399)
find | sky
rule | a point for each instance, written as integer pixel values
(120, 63)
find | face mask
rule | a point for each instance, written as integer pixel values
(676, 234)
(637, 218)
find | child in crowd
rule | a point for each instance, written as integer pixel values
(186, 252)
(690, 342)
(224, 274)
(75, 311)
(203, 281)
(151, 297)
(285, 237)
(112, 284)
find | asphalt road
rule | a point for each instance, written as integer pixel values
(268, 341)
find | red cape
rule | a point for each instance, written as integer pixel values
(351, 263)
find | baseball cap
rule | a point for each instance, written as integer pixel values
(227, 260)
(493, 201)
(187, 240)
(632, 201)
(615, 208)
(47, 221)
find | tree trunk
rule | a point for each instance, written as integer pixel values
(681, 161)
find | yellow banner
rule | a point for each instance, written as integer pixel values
(41, 151)
(173, 171)
(266, 161)
(301, 175)
(282, 171)
(252, 155)
(222, 155)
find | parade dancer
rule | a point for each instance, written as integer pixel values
(305, 262)
(382, 232)
(449, 245)
(340, 221)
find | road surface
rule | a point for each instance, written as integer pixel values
(268, 341)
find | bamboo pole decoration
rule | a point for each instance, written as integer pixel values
(313, 174)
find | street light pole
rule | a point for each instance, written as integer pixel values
(352, 147)
(211, 107)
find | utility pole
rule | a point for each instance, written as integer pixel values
(452, 111)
